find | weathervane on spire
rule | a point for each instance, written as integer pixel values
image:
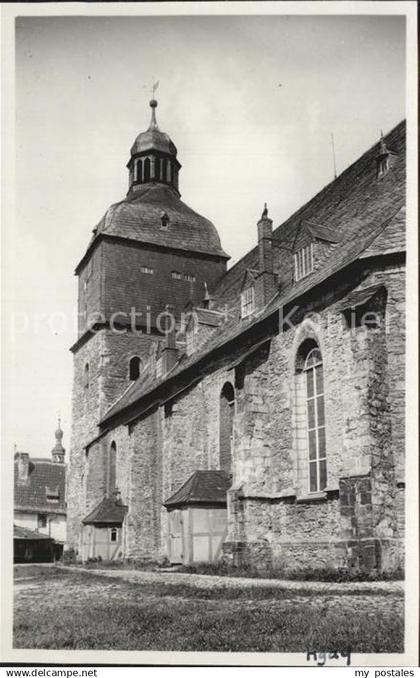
(154, 88)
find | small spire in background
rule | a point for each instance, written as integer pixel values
(58, 450)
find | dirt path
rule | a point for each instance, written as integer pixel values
(210, 581)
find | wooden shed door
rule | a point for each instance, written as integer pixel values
(176, 551)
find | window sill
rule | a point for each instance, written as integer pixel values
(313, 497)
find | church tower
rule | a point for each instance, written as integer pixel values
(149, 251)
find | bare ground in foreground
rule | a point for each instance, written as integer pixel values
(64, 608)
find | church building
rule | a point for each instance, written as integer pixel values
(253, 414)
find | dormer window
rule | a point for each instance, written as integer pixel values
(247, 302)
(176, 275)
(304, 262)
(147, 270)
(52, 494)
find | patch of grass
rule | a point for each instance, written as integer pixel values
(321, 574)
(89, 611)
(128, 564)
(30, 571)
(193, 626)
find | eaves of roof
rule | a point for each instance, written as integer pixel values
(140, 242)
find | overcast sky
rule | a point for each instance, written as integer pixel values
(82, 92)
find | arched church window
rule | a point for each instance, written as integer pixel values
(134, 368)
(227, 409)
(114, 534)
(112, 465)
(162, 169)
(146, 170)
(313, 372)
(86, 376)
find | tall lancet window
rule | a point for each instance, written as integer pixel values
(315, 412)
(227, 410)
(112, 466)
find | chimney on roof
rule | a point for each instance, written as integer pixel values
(22, 459)
(170, 351)
(266, 283)
(208, 298)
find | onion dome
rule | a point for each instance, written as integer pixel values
(153, 138)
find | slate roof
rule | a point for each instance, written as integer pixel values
(203, 487)
(107, 512)
(353, 206)
(321, 231)
(138, 217)
(359, 297)
(29, 535)
(31, 496)
(153, 139)
(366, 213)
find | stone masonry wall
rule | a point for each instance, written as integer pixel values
(272, 518)
(107, 353)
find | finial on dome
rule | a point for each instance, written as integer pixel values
(153, 123)
(59, 433)
(153, 105)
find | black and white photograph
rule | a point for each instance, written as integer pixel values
(210, 334)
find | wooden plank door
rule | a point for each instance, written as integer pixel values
(176, 546)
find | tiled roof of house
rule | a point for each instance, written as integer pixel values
(45, 478)
(203, 487)
(29, 535)
(109, 511)
(367, 214)
(138, 217)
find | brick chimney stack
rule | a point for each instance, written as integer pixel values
(266, 283)
(170, 351)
